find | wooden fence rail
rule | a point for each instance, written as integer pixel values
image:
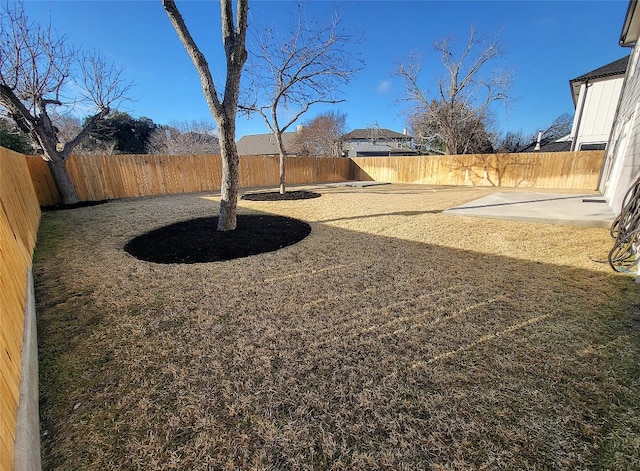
(19, 219)
(119, 176)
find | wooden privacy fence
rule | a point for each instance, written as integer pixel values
(98, 177)
(566, 170)
(19, 219)
(119, 176)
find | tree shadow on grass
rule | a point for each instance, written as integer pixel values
(396, 213)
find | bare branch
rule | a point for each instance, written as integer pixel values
(304, 68)
(322, 136)
(456, 121)
(37, 69)
(103, 82)
(197, 57)
(184, 138)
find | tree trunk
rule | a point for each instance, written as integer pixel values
(283, 155)
(63, 182)
(282, 169)
(230, 172)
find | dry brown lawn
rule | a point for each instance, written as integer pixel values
(393, 337)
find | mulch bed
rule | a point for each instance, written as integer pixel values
(277, 196)
(198, 241)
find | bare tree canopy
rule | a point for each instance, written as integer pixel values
(40, 73)
(511, 141)
(515, 141)
(184, 138)
(560, 127)
(69, 126)
(224, 112)
(460, 111)
(322, 136)
(290, 73)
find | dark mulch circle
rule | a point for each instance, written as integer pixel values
(277, 196)
(198, 240)
(81, 204)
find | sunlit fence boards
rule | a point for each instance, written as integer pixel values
(566, 170)
(98, 177)
(119, 176)
(19, 218)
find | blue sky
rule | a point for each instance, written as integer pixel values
(546, 43)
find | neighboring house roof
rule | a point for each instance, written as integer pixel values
(265, 144)
(617, 67)
(379, 133)
(548, 145)
(613, 69)
(376, 150)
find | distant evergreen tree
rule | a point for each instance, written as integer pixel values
(12, 138)
(130, 135)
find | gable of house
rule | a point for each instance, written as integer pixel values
(616, 68)
(595, 96)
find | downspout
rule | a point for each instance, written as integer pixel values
(574, 142)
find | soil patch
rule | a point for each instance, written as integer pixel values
(277, 196)
(198, 240)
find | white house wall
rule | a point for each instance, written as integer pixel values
(599, 110)
(622, 165)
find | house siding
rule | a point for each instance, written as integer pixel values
(599, 111)
(622, 164)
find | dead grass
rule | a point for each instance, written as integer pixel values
(393, 337)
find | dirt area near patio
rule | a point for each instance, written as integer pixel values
(392, 337)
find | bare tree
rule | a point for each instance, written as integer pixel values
(37, 69)
(509, 142)
(184, 138)
(322, 136)
(560, 127)
(70, 126)
(224, 112)
(295, 72)
(464, 96)
(374, 133)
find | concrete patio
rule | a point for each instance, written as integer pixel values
(586, 210)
